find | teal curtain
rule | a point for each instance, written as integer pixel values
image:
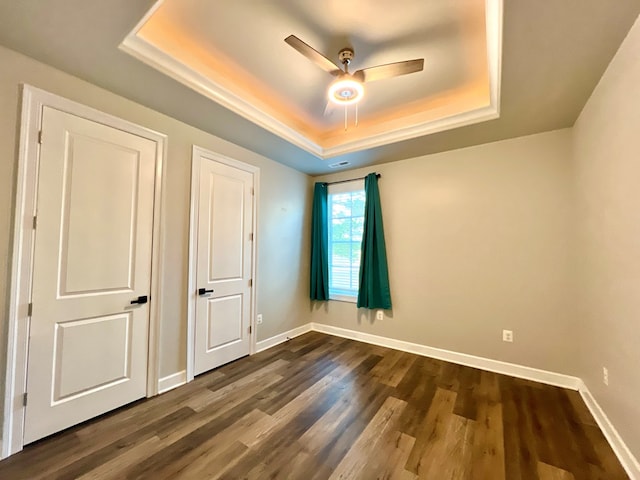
(319, 244)
(374, 289)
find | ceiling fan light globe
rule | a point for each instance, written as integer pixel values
(345, 91)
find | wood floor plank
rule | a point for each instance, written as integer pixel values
(384, 369)
(85, 439)
(581, 412)
(521, 457)
(190, 439)
(398, 370)
(609, 467)
(116, 448)
(319, 407)
(358, 456)
(488, 457)
(298, 415)
(432, 431)
(236, 378)
(353, 424)
(467, 400)
(213, 462)
(457, 448)
(304, 399)
(316, 438)
(553, 446)
(113, 469)
(448, 455)
(549, 472)
(295, 383)
(449, 377)
(391, 456)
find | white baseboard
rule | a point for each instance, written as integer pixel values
(172, 381)
(282, 337)
(497, 366)
(627, 459)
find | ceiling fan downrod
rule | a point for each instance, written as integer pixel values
(345, 56)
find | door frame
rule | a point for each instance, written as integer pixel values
(33, 102)
(192, 298)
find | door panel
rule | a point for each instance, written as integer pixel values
(224, 256)
(226, 221)
(224, 321)
(98, 255)
(80, 349)
(92, 256)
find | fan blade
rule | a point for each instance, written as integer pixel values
(313, 55)
(389, 70)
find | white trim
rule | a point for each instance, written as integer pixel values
(267, 343)
(494, 14)
(497, 366)
(192, 298)
(138, 47)
(172, 381)
(154, 57)
(157, 268)
(418, 130)
(15, 380)
(33, 102)
(343, 298)
(192, 259)
(622, 451)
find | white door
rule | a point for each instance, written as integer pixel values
(223, 265)
(92, 258)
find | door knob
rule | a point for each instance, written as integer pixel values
(140, 300)
(204, 291)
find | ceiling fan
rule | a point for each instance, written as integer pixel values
(348, 88)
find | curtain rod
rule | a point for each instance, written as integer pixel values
(350, 180)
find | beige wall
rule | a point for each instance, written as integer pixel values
(477, 241)
(282, 227)
(607, 174)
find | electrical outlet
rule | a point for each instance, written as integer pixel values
(259, 319)
(379, 315)
(605, 376)
(507, 336)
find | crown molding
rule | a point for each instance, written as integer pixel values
(156, 58)
(441, 124)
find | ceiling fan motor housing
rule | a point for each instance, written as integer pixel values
(346, 90)
(346, 55)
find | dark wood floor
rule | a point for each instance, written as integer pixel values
(322, 407)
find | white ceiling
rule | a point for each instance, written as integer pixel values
(553, 55)
(380, 32)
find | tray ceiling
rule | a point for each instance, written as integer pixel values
(235, 54)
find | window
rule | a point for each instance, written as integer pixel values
(346, 225)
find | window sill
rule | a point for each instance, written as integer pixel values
(344, 298)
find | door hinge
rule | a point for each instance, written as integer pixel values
(35, 222)
(24, 399)
(40, 137)
(30, 310)
(251, 282)
(250, 329)
(253, 191)
(251, 237)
